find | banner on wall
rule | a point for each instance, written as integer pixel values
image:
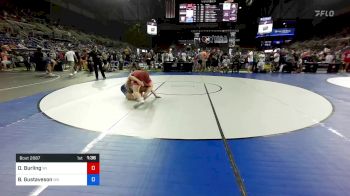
(279, 32)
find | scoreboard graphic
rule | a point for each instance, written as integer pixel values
(57, 169)
(206, 13)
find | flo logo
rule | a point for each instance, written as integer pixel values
(324, 13)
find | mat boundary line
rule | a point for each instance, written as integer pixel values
(234, 167)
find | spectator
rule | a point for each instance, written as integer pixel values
(134, 67)
(225, 63)
(261, 63)
(83, 60)
(51, 63)
(276, 60)
(148, 60)
(121, 61)
(236, 60)
(346, 59)
(203, 57)
(127, 55)
(113, 60)
(170, 55)
(183, 56)
(250, 61)
(38, 59)
(26, 61)
(5, 59)
(329, 58)
(165, 57)
(71, 58)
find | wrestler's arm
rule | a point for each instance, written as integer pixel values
(155, 95)
(133, 78)
(152, 91)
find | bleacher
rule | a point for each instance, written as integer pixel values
(4, 40)
(36, 32)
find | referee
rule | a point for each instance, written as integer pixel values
(96, 56)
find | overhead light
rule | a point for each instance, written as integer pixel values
(240, 7)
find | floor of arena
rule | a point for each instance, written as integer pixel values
(209, 134)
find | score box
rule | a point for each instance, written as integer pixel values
(93, 173)
(57, 169)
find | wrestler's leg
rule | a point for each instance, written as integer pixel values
(130, 97)
(136, 92)
(147, 92)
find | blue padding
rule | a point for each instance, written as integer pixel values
(308, 162)
(36, 134)
(19, 109)
(132, 166)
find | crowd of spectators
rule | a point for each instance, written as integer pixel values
(286, 59)
(29, 39)
(205, 59)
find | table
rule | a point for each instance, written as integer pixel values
(177, 67)
(312, 67)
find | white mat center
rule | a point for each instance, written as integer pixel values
(245, 108)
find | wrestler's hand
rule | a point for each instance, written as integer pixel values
(140, 83)
(155, 95)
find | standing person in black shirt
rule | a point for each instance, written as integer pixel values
(96, 56)
(38, 59)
